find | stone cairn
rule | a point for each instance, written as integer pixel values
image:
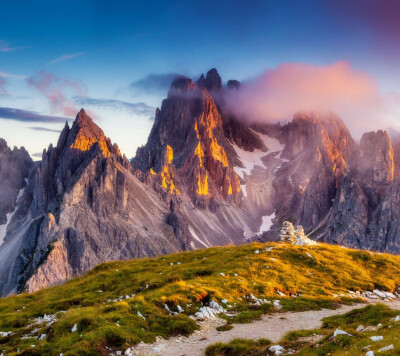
(300, 235)
(287, 232)
(290, 234)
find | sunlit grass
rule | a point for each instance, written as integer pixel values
(321, 342)
(155, 282)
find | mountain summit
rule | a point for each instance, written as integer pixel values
(205, 177)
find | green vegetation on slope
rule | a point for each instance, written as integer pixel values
(321, 342)
(312, 273)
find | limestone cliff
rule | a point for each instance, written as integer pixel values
(205, 177)
(83, 206)
(190, 124)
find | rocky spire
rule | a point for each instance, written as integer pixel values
(376, 157)
(85, 133)
(14, 169)
(233, 84)
(190, 123)
(212, 82)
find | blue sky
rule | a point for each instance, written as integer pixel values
(97, 49)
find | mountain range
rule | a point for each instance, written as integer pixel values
(205, 177)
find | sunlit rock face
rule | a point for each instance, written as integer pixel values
(205, 177)
(190, 123)
(339, 191)
(365, 210)
(316, 151)
(82, 206)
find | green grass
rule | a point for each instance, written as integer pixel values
(102, 323)
(225, 327)
(320, 342)
(239, 347)
(359, 343)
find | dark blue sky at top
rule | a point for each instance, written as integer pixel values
(112, 44)
(241, 38)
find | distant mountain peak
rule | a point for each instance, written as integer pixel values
(182, 85)
(85, 133)
(212, 81)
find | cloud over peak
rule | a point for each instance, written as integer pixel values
(280, 92)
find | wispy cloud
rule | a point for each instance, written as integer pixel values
(28, 116)
(3, 84)
(56, 90)
(5, 47)
(12, 76)
(39, 128)
(133, 108)
(65, 57)
(154, 83)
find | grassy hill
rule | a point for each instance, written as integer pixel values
(97, 307)
(360, 324)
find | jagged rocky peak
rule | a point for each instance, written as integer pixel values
(376, 157)
(233, 84)
(14, 169)
(192, 126)
(182, 86)
(325, 136)
(212, 81)
(3, 145)
(61, 166)
(85, 133)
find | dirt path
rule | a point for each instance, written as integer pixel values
(272, 327)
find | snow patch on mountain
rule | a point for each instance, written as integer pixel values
(252, 159)
(3, 228)
(266, 223)
(197, 238)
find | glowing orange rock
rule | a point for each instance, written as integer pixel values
(83, 143)
(167, 178)
(199, 153)
(169, 154)
(218, 152)
(202, 185)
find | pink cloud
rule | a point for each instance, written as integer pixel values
(57, 91)
(279, 93)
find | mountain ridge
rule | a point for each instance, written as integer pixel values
(204, 178)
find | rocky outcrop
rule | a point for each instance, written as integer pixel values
(83, 206)
(316, 152)
(365, 209)
(205, 177)
(212, 81)
(14, 169)
(190, 125)
(375, 159)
